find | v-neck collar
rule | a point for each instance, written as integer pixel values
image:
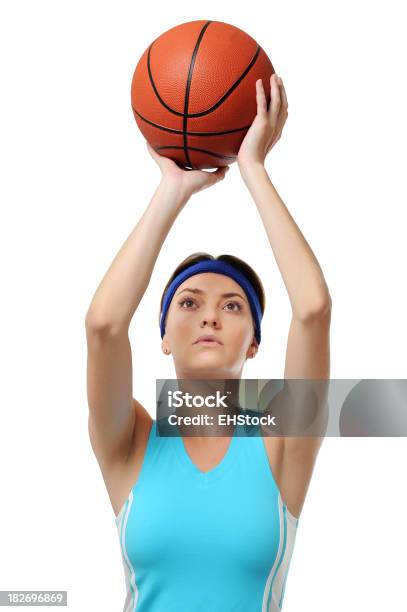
(225, 463)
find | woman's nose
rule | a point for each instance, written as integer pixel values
(211, 316)
(208, 320)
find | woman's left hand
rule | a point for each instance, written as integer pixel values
(268, 124)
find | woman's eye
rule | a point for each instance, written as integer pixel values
(186, 300)
(239, 307)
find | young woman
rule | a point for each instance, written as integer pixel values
(205, 523)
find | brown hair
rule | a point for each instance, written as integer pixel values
(231, 259)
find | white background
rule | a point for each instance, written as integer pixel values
(76, 177)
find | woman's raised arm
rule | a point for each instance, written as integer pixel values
(109, 366)
(308, 351)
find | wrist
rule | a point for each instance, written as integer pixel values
(174, 189)
(247, 170)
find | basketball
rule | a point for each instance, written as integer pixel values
(193, 92)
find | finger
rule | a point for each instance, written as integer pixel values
(151, 150)
(283, 94)
(275, 102)
(160, 160)
(261, 97)
(279, 122)
(277, 134)
(283, 112)
(220, 173)
(279, 127)
(154, 153)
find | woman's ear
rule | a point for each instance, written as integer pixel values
(254, 347)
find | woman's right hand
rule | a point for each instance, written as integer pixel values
(189, 181)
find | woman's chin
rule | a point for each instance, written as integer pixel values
(206, 364)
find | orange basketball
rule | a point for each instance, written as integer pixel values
(193, 92)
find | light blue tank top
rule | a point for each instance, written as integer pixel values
(219, 541)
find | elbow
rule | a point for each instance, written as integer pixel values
(320, 310)
(97, 324)
(97, 327)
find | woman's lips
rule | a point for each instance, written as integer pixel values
(206, 338)
(208, 342)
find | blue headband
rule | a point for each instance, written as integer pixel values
(220, 267)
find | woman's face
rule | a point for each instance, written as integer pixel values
(200, 307)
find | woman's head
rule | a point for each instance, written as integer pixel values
(213, 303)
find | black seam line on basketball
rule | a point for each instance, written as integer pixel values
(196, 149)
(188, 88)
(209, 110)
(174, 131)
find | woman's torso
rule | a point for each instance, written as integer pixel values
(199, 534)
